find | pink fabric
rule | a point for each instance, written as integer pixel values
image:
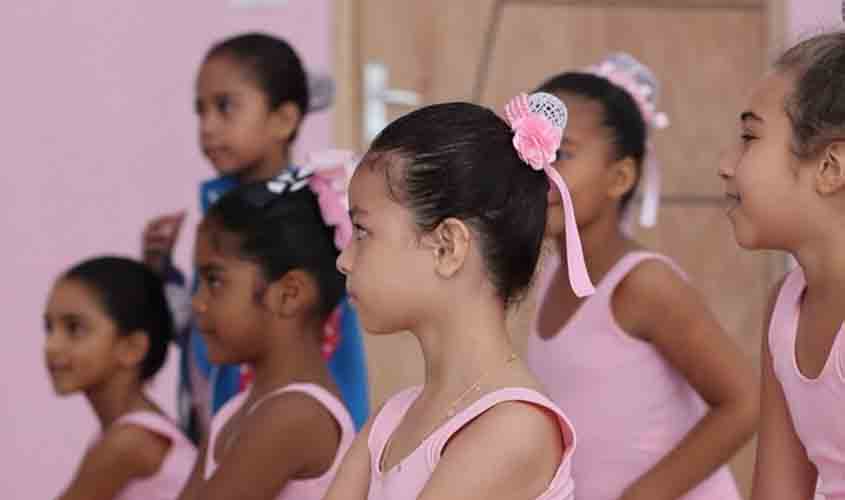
(407, 480)
(817, 405)
(535, 137)
(642, 93)
(329, 183)
(168, 481)
(537, 140)
(629, 406)
(304, 489)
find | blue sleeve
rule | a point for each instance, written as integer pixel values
(349, 366)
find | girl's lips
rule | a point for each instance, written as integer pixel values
(733, 201)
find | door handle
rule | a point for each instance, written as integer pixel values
(377, 96)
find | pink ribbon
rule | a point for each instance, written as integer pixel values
(537, 139)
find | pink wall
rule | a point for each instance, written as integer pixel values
(97, 134)
(807, 17)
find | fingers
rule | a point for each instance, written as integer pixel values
(165, 226)
(159, 238)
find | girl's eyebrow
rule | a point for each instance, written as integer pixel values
(357, 212)
(747, 116)
(210, 268)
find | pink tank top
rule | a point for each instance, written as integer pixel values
(817, 405)
(629, 406)
(298, 489)
(168, 481)
(406, 480)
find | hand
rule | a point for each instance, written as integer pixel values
(159, 238)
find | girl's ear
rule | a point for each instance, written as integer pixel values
(293, 294)
(830, 172)
(133, 348)
(285, 120)
(623, 178)
(450, 244)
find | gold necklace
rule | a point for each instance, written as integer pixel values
(453, 408)
(451, 412)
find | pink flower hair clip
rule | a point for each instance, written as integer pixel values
(329, 181)
(624, 71)
(538, 122)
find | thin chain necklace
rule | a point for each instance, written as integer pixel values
(451, 412)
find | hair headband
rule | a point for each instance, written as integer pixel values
(538, 122)
(624, 71)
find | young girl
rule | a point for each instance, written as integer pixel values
(442, 200)
(108, 330)
(251, 97)
(268, 282)
(660, 396)
(785, 183)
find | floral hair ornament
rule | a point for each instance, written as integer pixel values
(330, 180)
(624, 71)
(538, 122)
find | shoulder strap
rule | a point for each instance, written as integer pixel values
(316, 392)
(153, 422)
(629, 262)
(473, 411)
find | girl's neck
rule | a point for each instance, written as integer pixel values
(269, 167)
(121, 394)
(823, 264)
(465, 343)
(294, 355)
(603, 244)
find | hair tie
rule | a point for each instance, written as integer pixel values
(538, 122)
(624, 71)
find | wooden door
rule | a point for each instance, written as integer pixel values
(706, 53)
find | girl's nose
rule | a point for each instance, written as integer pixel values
(343, 262)
(198, 304)
(727, 163)
(52, 343)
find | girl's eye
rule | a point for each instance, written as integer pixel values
(213, 281)
(224, 104)
(359, 231)
(563, 155)
(199, 108)
(74, 328)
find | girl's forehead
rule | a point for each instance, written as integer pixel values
(213, 241)
(222, 71)
(369, 183)
(768, 98)
(586, 115)
(71, 294)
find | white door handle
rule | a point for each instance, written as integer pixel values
(377, 97)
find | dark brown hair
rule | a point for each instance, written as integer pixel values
(458, 160)
(816, 105)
